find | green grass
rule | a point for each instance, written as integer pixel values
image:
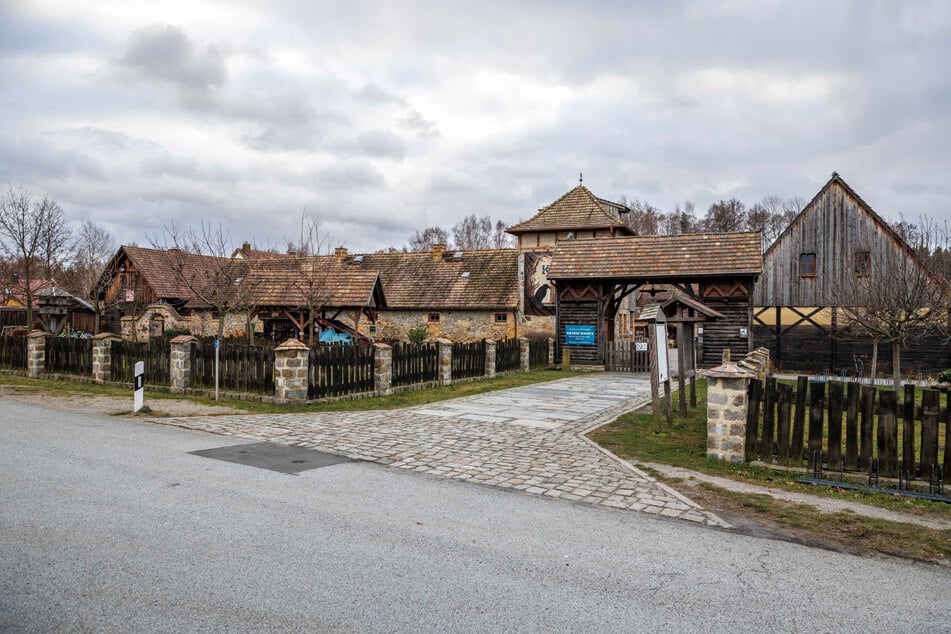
(401, 399)
(683, 444)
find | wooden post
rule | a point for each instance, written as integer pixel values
(752, 419)
(836, 394)
(930, 400)
(652, 362)
(693, 389)
(888, 433)
(769, 416)
(668, 403)
(852, 426)
(908, 430)
(785, 412)
(947, 437)
(799, 421)
(868, 413)
(817, 392)
(681, 370)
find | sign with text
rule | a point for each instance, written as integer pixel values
(138, 387)
(576, 335)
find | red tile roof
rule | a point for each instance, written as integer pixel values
(659, 258)
(578, 209)
(317, 281)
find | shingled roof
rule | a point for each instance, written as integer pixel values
(659, 258)
(578, 209)
(477, 280)
(293, 281)
(158, 269)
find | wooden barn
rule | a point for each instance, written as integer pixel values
(798, 303)
(592, 278)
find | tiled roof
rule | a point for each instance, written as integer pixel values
(158, 268)
(576, 210)
(420, 281)
(293, 281)
(659, 258)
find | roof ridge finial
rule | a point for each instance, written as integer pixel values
(581, 178)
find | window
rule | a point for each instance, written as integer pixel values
(863, 262)
(434, 318)
(807, 265)
(501, 318)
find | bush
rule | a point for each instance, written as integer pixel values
(417, 334)
(944, 376)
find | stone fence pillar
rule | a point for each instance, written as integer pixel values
(489, 358)
(291, 360)
(551, 351)
(445, 362)
(102, 356)
(36, 353)
(524, 353)
(180, 360)
(726, 411)
(383, 368)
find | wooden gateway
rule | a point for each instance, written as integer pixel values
(592, 277)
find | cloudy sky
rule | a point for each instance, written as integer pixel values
(385, 117)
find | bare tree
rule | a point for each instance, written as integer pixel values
(94, 247)
(644, 219)
(310, 278)
(425, 239)
(56, 241)
(203, 262)
(725, 216)
(472, 233)
(31, 234)
(501, 239)
(897, 298)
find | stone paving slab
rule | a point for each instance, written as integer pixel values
(529, 439)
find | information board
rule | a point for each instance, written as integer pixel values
(576, 335)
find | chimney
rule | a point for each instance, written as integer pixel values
(173, 250)
(246, 248)
(438, 250)
(340, 254)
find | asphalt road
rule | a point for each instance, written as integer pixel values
(110, 525)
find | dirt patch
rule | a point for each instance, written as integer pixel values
(112, 405)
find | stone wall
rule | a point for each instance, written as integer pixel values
(199, 323)
(457, 325)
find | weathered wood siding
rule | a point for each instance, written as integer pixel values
(834, 226)
(583, 313)
(732, 298)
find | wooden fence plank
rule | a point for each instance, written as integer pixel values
(866, 425)
(930, 401)
(908, 430)
(767, 441)
(836, 398)
(799, 422)
(817, 392)
(754, 395)
(887, 435)
(852, 426)
(785, 398)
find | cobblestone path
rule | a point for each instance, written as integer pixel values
(528, 438)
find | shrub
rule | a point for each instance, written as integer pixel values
(417, 334)
(944, 376)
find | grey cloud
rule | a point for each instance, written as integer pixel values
(374, 95)
(413, 121)
(381, 144)
(165, 53)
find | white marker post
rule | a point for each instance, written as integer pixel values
(138, 396)
(217, 367)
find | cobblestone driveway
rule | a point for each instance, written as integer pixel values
(528, 438)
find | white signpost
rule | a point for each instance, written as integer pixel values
(138, 396)
(660, 336)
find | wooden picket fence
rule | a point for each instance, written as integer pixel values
(415, 363)
(537, 352)
(508, 355)
(243, 368)
(69, 355)
(337, 370)
(468, 360)
(623, 356)
(792, 424)
(154, 353)
(13, 352)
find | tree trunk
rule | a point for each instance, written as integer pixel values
(874, 367)
(221, 326)
(896, 365)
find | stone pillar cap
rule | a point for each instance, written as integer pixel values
(728, 371)
(492, 341)
(292, 344)
(446, 342)
(107, 335)
(382, 346)
(183, 339)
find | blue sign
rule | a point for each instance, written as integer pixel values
(579, 335)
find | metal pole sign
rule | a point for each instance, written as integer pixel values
(217, 367)
(138, 396)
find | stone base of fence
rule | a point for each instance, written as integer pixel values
(383, 369)
(36, 353)
(727, 386)
(102, 357)
(180, 361)
(291, 360)
(524, 353)
(489, 358)
(444, 363)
